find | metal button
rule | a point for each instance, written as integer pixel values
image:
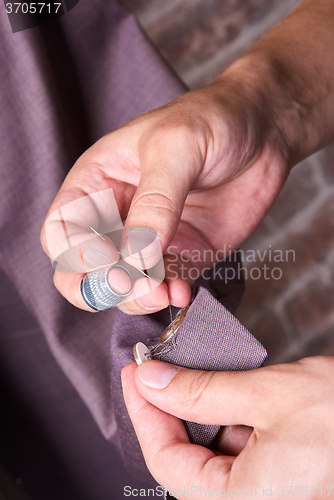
(141, 353)
(174, 325)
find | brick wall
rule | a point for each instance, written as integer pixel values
(294, 315)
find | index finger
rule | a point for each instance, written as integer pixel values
(175, 463)
(74, 233)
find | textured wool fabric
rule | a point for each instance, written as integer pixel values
(63, 85)
(210, 338)
(128, 330)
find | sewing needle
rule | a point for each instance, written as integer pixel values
(170, 314)
(90, 227)
(119, 253)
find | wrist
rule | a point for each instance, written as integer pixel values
(268, 104)
(244, 94)
(290, 75)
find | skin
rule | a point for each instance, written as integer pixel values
(185, 170)
(288, 409)
(203, 171)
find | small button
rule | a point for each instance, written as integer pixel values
(141, 353)
(176, 323)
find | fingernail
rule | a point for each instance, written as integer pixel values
(156, 374)
(141, 243)
(148, 303)
(119, 281)
(137, 237)
(96, 259)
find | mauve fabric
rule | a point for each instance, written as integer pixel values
(128, 330)
(210, 338)
(62, 86)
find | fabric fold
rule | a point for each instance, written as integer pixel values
(210, 338)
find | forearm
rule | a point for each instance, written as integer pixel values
(290, 75)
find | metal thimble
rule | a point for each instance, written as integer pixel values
(97, 292)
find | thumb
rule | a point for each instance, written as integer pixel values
(164, 443)
(169, 165)
(218, 398)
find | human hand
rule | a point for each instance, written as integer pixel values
(202, 171)
(289, 406)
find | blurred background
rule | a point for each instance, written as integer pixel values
(293, 316)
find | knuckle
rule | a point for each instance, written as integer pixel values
(174, 130)
(160, 457)
(131, 310)
(198, 387)
(157, 200)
